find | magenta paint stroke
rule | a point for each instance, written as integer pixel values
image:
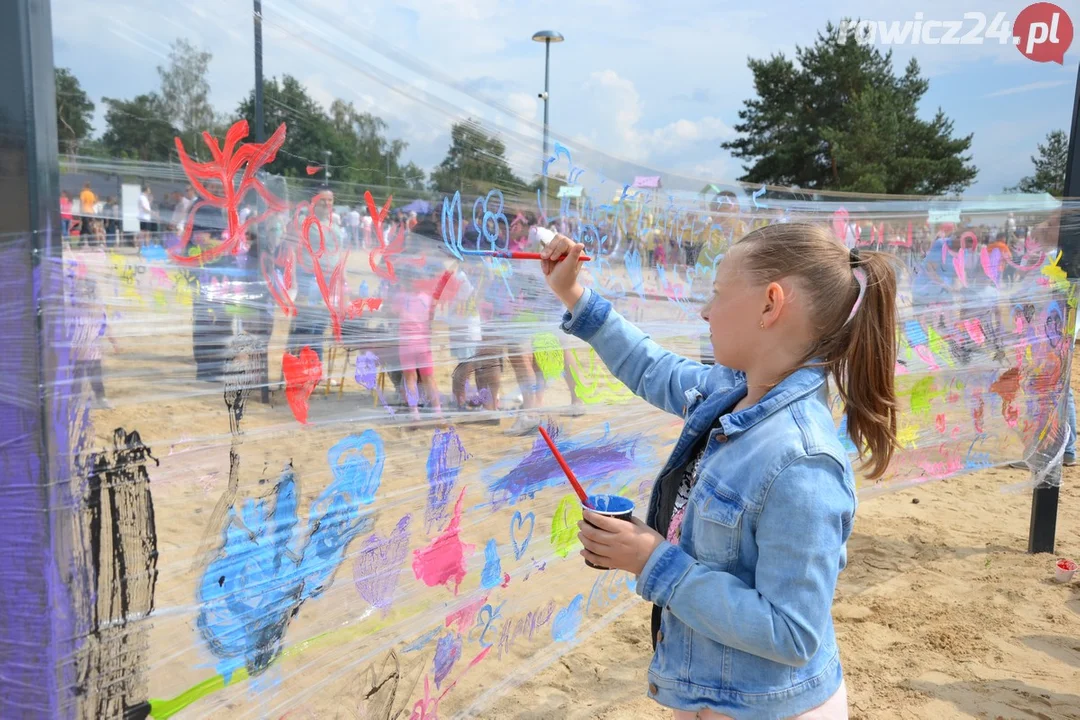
(594, 462)
(378, 565)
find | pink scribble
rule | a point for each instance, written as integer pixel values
(444, 559)
(465, 615)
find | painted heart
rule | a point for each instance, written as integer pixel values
(568, 620)
(367, 370)
(564, 525)
(377, 566)
(517, 523)
(301, 374)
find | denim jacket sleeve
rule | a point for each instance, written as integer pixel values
(654, 374)
(800, 549)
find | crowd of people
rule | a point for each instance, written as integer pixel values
(479, 306)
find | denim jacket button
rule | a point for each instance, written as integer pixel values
(659, 637)
(721, 438)
(652, 688)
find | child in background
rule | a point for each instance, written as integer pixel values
(90, 321)
(748, 523)
(465, 339)
(414, 309)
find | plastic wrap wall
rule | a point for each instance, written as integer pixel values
(306, 476)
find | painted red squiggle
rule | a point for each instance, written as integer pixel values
(333, 290)
(228, 161)
(286, 261)
(383, 251)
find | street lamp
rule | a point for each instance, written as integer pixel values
(259, 129)
(327, 167)
(547, 37)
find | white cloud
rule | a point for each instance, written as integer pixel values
(1041, 85)
(629, 139)
(524, 105)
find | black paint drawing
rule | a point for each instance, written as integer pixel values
(121, 540)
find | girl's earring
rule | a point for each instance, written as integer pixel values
(762, 325)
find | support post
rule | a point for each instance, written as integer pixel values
(1044, 498)
(38, 620)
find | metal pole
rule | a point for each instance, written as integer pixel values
(260, 128)
(1044, 498)
(547, 74)
(39, 621)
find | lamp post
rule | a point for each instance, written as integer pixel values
(259, 128)
(326, 167)
(547, 37)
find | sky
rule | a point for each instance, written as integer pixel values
(635, 88)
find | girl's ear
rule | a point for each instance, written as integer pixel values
(774, 303)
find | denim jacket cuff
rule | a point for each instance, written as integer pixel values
(587, 315)
(666, 567)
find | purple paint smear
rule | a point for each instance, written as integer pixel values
(37, 620)
(378, 565)
(592, 462)
(447, 652)
(443, 467)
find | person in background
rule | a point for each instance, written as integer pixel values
(146, 216)
(466, 338)
(352, 224)
(367, 226)
(91, 327)
(414, 308)
(1001, 244)
(112, 222)
(311, 321)
(87, 200)
(1010, 225)
(65, 213)
(183, 206)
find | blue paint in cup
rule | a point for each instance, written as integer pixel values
(615, 506)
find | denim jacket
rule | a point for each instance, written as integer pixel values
(746, 594)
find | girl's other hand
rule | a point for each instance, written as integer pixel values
(560, 261)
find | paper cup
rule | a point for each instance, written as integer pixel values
(615, 506)
(1064, 570)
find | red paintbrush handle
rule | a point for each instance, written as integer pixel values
(566, 469)
(536, 256)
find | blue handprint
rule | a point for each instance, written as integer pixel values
(262, 574)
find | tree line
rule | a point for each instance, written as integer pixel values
(836, 117)
(144, 127)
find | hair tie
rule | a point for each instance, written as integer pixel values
(860, 278)
(853, 257)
